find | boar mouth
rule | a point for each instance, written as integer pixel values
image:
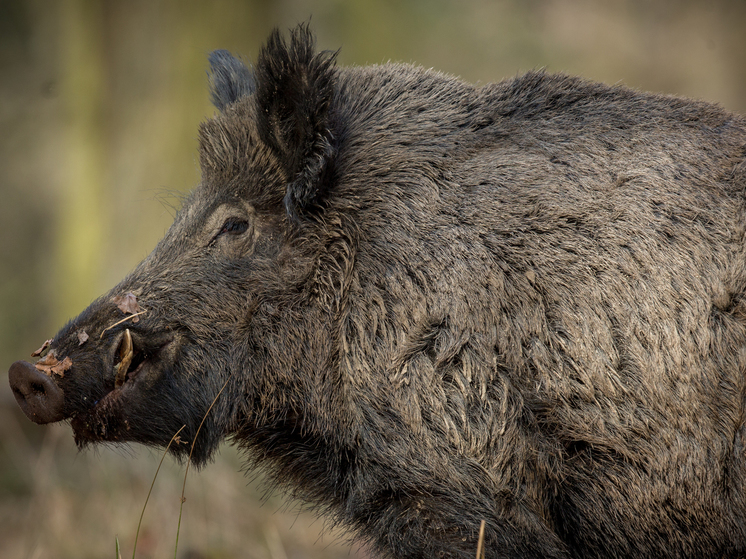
(133, 354)
(137, 365)
(131, 360)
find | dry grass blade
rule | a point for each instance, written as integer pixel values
(480, 543)
(125, 319)
(142, 514)
(189, 461)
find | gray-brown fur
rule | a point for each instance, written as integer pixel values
(436, 303)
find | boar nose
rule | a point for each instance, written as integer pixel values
(37, 394)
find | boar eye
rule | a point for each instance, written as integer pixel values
(234, 226)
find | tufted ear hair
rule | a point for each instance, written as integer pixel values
(230, 79)
(294, 94)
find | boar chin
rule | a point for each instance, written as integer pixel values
(124, 413)
(141, 402)
(136, 390)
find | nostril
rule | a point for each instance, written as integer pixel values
(38, 388)
(36, 393)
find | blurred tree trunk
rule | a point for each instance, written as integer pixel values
(79, 219)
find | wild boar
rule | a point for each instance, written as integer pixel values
(431, 304)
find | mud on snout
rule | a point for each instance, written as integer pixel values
(97, 381)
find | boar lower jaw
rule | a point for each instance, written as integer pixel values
(108, 420)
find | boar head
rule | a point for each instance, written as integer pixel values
(241, 258)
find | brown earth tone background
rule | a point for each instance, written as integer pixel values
(99, 107)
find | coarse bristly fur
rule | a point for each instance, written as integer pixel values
(436, 304)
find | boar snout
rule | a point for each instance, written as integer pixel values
(36, 393)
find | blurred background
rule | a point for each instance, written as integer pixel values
(99, 107)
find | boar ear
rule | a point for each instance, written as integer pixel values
(294, 92)
(230, 79)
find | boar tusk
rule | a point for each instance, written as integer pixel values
(126, 352)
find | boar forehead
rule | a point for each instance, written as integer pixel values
(235, 163)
